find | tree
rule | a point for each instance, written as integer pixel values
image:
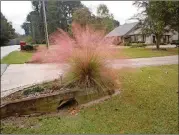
(26, 28)
(173, 10)
(83, 16)
(154, 19)
(68, 8)
(36, 26)
(116, 23)
(7, 31)
(107, 19)
(59, 15)
(103, 11)
(103, 21)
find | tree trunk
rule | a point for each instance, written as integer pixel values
(158, 38)
(178, 32)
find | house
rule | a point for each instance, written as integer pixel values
(132, 32)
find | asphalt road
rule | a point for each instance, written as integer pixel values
(5, 50)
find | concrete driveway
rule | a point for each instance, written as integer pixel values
(3, 68)
(149, 46)
(5, 50)
(142, 62)
(161, 46)
(18, 76)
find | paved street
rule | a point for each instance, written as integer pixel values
(5, 50)
(18, 75)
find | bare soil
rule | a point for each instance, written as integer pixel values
(38, 90)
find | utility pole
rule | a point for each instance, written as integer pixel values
(45, 22)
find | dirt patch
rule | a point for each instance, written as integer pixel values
(56, 101)
(38, 90)
(32, 121)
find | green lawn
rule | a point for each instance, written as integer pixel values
(148, 104)
(145, 52)
(17, 57)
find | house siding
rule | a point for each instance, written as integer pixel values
(139, 37)
(133, 33)
(148, 40)
(175, 36)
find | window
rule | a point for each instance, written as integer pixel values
(136, 37)
(131, 38)
(143, 38)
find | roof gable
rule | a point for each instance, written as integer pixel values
(122, 29)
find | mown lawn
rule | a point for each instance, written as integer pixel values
(148, 104)
(145, 52)
(17, 57)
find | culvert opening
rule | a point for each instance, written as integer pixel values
(65, 104)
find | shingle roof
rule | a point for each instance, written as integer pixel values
(122, 30)
(135, 32)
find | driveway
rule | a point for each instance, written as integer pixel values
(18, 76)
(22, 75)
(161, 46)
(149, 46)
(142, 62)
(3, 68)
(5, 50)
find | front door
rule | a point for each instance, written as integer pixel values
(167, 38)
(154, 41)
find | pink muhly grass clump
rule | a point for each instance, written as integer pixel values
(86, 52)
(60, 49)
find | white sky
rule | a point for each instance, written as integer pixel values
(16, 11)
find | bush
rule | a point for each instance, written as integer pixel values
(28, 48)
(127, 44)
(136, 45)
(88, 70)
(33, 90)
(86, 52)
(88, 67)
(28, 39)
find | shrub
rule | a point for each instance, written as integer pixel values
(136, 45)
(127, 44)
(88, 70)
(28, 39)
(86, 52)
(28, 48)
(33, 90)
(88, 65)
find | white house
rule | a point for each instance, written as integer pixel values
(132, 32)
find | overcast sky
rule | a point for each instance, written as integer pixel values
(16, 11)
